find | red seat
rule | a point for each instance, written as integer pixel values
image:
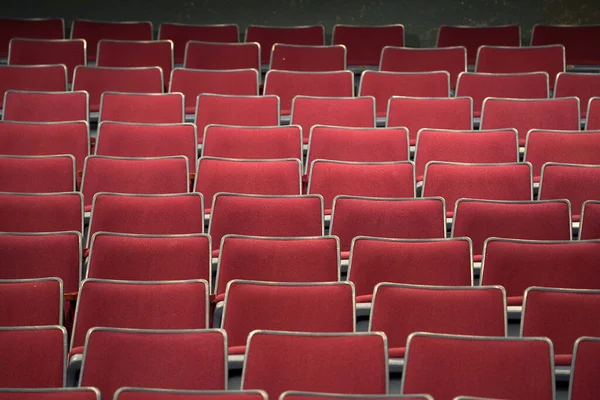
(31, 302)
(578, 40)
(152, 108)
(267, 36)
(365, 42)
(44, 78)
(584, 86)
(584, 384)
(292, 57)
(37, 174)
(32, 28)
(591, 211)
(220, 56)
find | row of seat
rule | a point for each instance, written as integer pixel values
(442, 365)
(364, 42)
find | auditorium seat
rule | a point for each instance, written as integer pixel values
(221, 56)
(580, 47)
(590, 210)
(130, 393)
(30, 28)
(593, 114)
(154, 108)
(581, 85)
(366, 42)
(71, 393)
(43, 78)
(293, 57)
(584, 383)
(37, 174)
(35, 106)
(31, 302)
(297, 395)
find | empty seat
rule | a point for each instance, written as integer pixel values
(295, 307)
(483, 219)
(527, 114)
(46, 78)
(94, 31)
(289, 84)
(519, 264)
(339, 111)
(235, 110)
(458, 310)
(523, 85)
(591, 211)
(503, 59)
(173, 359)
(453, 181)
(276, 259)
(357, 144)
(170, 394)
(583, 382)
(97, 80)
(33, 106)
(406, 59)
(269, 177)
(141, 175)
(581, 85)
(43, 138)
(574, 147)
(440, 262)
(70, 52)
(575, 182)
(365, 42)
(181, 34)
(263, 215)
(139, 305)
(416, 113)
(296, 395)
(37, 174)
(578, 40)
(32, 28)
(371, 179)
(156, 108)
(122, 256)
(546, 312)
(33, 357)
(136, 53)
(384, 85)
(220, 56)
(317, 362)
(263, 142)
(518, 368)
(482, 146)
(31, 302)
(61, 255)
(121, 139)
(267, 36)
(472, 37)
(147, 214)
(41, 212)
(51, 394)
(192, 82)
(415, 218)
(593, 114)
(292, 57)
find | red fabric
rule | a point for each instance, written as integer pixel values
(155, 108)
(591, 228)
(143, 258)
(517, 265)
(192, 360)
(38, 28)
(443, 262)
(299, 308)
(161, 394)
(277, 260)
(354, 216)
(279, 362)
(265, 216)
(480, 220)
(181, 34)
(365, 43)
(341, 111)
(593, 114)
(30, 303)
(247, 111)
(499, 146)
(97, 80)
(41, 213)
(289, 84)
(267, 36)
(441, 310)
(50, 394)
(584, 86)
(407, 59)
(94, 31)
(472, 37)
(39, 174)
(580, 47)
(446, 367)
(308, 58)
(269, 177)
(330, 179)
(526, 85)
(32, 358)
(585, 371)
(192, 82)
(527, 114)
(434, 113)
(220, 56)
(46, 78)
(514, 301)
(396, 352)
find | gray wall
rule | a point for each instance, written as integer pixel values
(420, 18)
